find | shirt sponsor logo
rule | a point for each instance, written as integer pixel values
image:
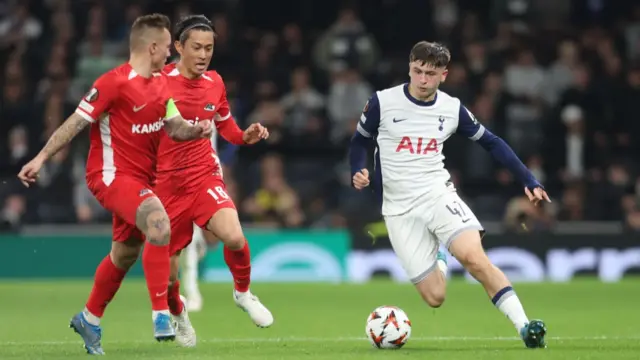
(147, 128)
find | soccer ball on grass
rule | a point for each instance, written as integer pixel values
(388, 327)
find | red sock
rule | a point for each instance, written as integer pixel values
(175, 303)
(239, 263)
(157, 268)
(106, 283)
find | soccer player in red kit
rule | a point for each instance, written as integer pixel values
(189, 178)
(127, 109)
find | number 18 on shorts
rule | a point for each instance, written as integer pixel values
(416, 236)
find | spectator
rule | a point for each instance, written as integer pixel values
(562, 91)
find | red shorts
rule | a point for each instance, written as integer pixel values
(122, 198)
(194, 207)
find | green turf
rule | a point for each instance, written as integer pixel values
(585, 319)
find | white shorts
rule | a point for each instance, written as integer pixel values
(416, 236)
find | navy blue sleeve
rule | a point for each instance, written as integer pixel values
(469, 127)
(370, 118)
(367, 129)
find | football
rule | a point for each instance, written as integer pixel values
(388, 327)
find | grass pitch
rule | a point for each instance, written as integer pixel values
(586, 320)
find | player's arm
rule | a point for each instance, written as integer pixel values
(96, 102)
(365, 132)
(63, 135)
(179, 129)
(469, 127)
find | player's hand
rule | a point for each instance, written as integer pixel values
(538, 194)
(29, 172)
(361, 179)
(254, 133)
(205, 128)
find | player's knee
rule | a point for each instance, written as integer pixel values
(433, 289)
(158, 229)
(210, 238)
(467, 249)
(159, 238)
(434, 297)
(153, 221)
(234, 241)
(476, 263)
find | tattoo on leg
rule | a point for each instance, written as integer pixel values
(153, 221)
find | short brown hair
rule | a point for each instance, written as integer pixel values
(431, 53)
(145, 22)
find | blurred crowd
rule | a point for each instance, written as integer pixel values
(557, 79)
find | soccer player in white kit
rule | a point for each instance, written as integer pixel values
(420, 206)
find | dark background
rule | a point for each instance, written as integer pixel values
(558, 79)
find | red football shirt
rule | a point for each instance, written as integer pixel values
(127, 114)
(182, 165)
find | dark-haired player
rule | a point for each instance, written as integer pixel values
(421, 208)
(189, 179)
(127, 109)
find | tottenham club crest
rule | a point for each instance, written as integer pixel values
(441, 119)
(92, 95)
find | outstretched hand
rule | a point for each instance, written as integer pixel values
(538, 194)
(254, 133)
(29, 172)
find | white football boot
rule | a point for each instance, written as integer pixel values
(259, 314)
(185, 333)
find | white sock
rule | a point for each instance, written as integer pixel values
(91, 319)
(507, 301)
(443, 267)
(190, 270)
(155, 313)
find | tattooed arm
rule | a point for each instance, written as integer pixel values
(63, 135)
(60, 138)
(179, 129)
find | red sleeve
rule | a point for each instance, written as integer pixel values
(99, 99)
(224, 112)
(225, 123)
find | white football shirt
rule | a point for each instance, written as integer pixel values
(410, 136)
